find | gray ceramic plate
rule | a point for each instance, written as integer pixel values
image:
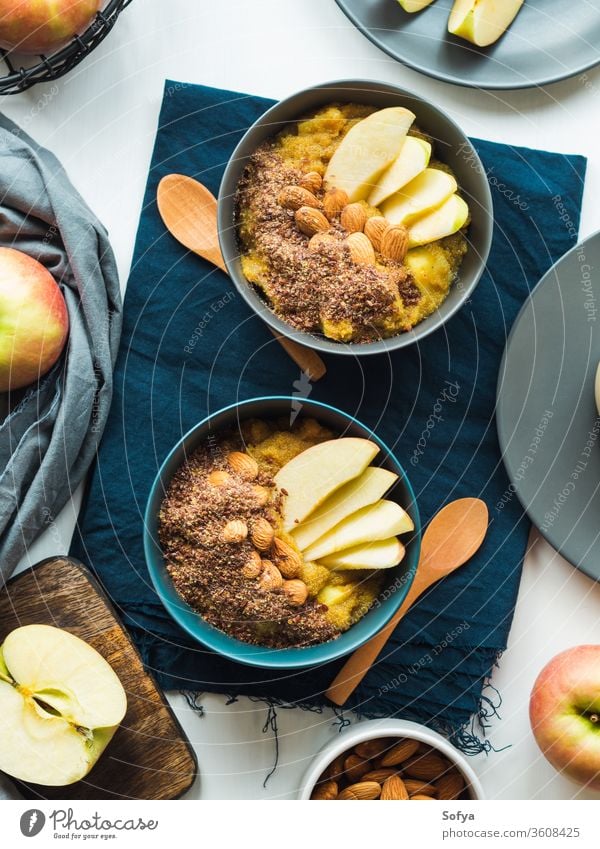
(548, 425)
(549, 41)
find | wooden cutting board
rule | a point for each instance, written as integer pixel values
(149, 757)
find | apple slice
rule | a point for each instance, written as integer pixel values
(367, 150)
(378, 521)
(316, 473)
(413, 158)
(448, 219)
(60, 705)
(482, 22)
(360, 492)
(414, 5)
(426, 192)
(382, 554)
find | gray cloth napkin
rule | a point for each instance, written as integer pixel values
(50, 438)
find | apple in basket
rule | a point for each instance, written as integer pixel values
(565, 713)
(60, 705)
(42, 26)
(34, 322)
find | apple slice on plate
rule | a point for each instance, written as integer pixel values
(413, 158)
(482, 22)
(360, 492)
(367, 150)
(316, 473)
(60, 705)
(448, 219)
(378, 521)
(426, 192)
(382, 554)
(414, 5)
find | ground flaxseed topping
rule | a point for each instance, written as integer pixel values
(312, 289)
(207, 565)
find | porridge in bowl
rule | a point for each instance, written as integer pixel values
(349, 226)
(278, 535)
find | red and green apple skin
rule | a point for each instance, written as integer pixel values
(34, 322)
(565, 713)
(42, 26)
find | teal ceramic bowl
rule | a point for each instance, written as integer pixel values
(398, 580)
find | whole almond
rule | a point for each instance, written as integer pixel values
(374, 230)
(427, 767)
(416, 787)
(312, 181)
(335, 770)
(362, 790)
(361, 249)
(421, 797)
(270, 578)
(289, 561)
(235, 531)
(450, 785)
(296, 591)
(253, 566)
(321, 240)
(325, 791)
(243, 464)
(393, 789)
(334, 201)
(355, 767)
(379, 775)
(403, 750)
(311, 221)
(353, 218)
(261, 495)
(394, 243)
(293, 197)
(262, 534)
(219, 477)
(373, 748)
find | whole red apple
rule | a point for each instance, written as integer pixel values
(42, 26)
(565, 713)
(34, 321)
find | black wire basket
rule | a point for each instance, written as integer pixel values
(43, 69)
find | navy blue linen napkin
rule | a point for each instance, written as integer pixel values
(190, 345)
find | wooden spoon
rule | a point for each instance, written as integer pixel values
(452, 537)
(189, 212)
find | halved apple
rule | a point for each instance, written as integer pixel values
(316, 473)
(448, 219)
(482, 22)
(360, 492)
(382, 554)
(378, 521)
(366, 150)
(413, 158)
(60, 705)
(414, 5)
(426, 192)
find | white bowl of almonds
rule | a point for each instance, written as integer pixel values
(390, 760)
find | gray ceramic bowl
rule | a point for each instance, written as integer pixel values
(452, 147)
(397, 580)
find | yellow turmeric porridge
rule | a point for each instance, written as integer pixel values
(349, 269)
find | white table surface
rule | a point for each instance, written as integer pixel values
(101, 122)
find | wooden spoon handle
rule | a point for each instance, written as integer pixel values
(305, 358)
(360, 661)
